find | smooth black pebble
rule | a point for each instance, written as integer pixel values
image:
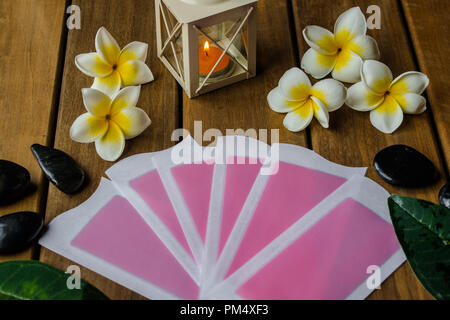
(14, 182)
(404, 166)
(59, 168)
(18, 231)
(444, 195)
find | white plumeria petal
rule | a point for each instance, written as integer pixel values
(347, 67)
(87, 128)
(96, 102)
(110, 84)
(413, 81)
(350, 24)
(92, 65)
(331, 93)
(132, 121)
(320, 112)
(295, 84)
(134, 72)
(320, 39)
(361, 99)
(316, 64)
(279, 103)
(300, 118)
(411, 103)
(107, 47)
(376, 76)
(388, 116)
(364, 46)
(111, 145)
(135, 50)
(127, 97)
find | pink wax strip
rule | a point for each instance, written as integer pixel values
(288, 195)
(119, 235)
(240, 177)
(152, 191)
(330, 260)
(195, 182)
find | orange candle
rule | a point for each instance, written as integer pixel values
(207, 58)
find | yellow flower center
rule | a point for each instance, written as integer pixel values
(108, 117)
(114, 66)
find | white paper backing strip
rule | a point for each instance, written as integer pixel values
(65, 227)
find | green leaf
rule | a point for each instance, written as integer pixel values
(423, 230)
(33, 280)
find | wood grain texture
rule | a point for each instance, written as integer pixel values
(352, 140)
(429, 26)
(127, 21)
(29, 48)
(244, 105)
(30, 40)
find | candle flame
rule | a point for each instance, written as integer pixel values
(206, 47)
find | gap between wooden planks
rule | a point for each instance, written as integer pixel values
(351, 139)
(30, 46)
(429, 25)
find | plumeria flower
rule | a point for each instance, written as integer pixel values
(385, 98)
(114, 68)
(341, 53)
(109, 121)
(302, 102)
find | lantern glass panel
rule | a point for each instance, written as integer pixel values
(173, 48)
(213, 41)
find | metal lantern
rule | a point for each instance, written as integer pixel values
(207, 44)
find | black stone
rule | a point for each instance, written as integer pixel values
(444, 195)
(18, 231)
(14, 182)
(59, 168)
(404, 166)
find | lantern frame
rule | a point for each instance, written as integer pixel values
(190, 21)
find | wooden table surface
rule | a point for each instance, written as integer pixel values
(40, 97)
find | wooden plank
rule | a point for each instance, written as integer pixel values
(127, 21)
(29, 58)
(429, 27)
(351, 139)
(244, 105)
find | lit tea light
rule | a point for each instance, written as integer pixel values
(206, 47)
(207, 58)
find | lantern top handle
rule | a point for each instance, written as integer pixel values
(187, 11)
